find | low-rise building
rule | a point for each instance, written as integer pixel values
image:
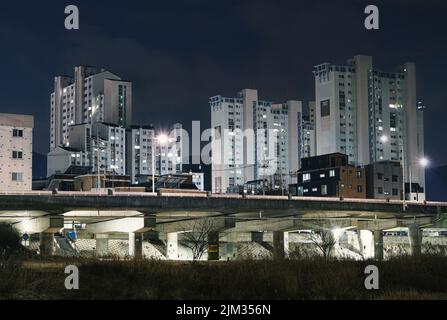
(89, 182)
(60, 159)
(329, 175)
(384, 180)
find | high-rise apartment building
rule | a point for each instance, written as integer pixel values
(91, 95)
(370, 115)
(252, 136)
(16, 152)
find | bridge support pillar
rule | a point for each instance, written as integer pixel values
(46, 244)
(378, 244)
(230, 246)
(136, 245)
(102, 245)
(172, 246)
(415, 235)
(366, 243)
(213, 245)
(280, 244)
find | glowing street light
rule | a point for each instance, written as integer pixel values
(424, 162)
(384, 139)
(162, 140)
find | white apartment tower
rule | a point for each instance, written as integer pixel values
(91, 95)
(370, 115)
(242, 148)
(16, 152)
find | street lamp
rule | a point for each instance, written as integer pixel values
(162, 140)
(424, 162)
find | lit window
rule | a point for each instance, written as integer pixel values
(306, 177)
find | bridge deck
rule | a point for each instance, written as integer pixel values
(148, 202)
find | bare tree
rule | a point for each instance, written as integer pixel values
(195, 236)
(325, 241)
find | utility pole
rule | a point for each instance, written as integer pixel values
(404, 205)
(153, 162)
(98, 182)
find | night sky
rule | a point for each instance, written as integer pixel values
(180, 53)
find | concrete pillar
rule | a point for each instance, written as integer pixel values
(231, 245)
(366, 244)
(136, 245)
(415, 235)
(102, 245)
(213, 245)
(280, 244)
(46, 244)
(131, 252)
(378, 244)
(172, 246)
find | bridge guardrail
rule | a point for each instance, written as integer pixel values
(223, 196)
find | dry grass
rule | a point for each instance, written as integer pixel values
(420, 277)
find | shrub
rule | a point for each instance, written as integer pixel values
(10, 242)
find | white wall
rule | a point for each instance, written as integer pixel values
(8, 144)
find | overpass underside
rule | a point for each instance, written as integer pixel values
(225, 234)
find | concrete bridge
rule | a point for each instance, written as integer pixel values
(268, 221)
(147, 202)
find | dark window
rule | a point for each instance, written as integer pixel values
(380, 190)
(395, 192)
(359, 189)
(380, 176)
(17, 133)
(394, 177)
(393, 120)
(325, 108)
(17, 155)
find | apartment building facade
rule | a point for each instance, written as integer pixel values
(257, 140)
(16, 152)
(91, 95)
(370, 115)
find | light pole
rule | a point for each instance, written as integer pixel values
(162, 140)
(153, 163)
